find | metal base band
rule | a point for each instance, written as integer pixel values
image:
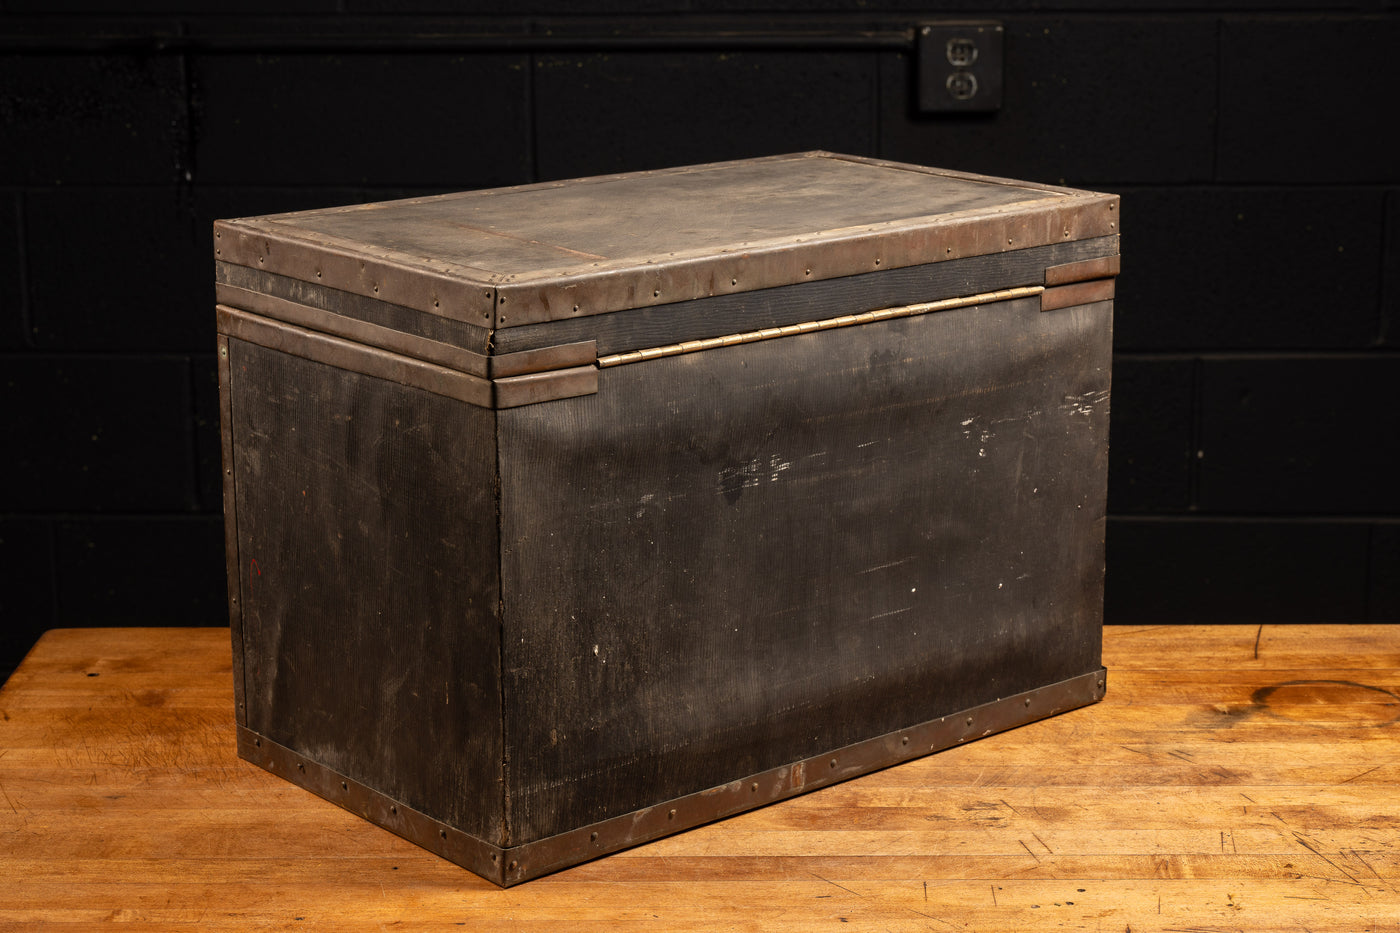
(509, 866)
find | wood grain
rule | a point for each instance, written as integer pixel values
(1235, 778)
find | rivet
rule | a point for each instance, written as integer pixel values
(318, 273)
(258, 743)
(754, 787)
(442, 833)
(513, 866)
(592, 837)
(833, 762)
(494, 857)
(904, 741)
(969, 720)
(301, 767)
(733, 281)
(223, 351)
(344, 786)
(1008, 241)
(656, 293)
(576, 309)
(877, 262)
(376, 288)
(950, 250)
(1028, 701)
(1101, 685)
(671, 815)
(394, 811)
(807, 272)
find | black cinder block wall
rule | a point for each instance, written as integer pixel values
(1256, 409)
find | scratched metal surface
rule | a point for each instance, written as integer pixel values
(565, 228)
(728, 561)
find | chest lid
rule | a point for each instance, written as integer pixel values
(509, 257)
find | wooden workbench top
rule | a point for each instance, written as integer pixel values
(1235, 778)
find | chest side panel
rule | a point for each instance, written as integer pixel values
(366, 535)
(727, 561)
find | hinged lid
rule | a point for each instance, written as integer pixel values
(509, 257)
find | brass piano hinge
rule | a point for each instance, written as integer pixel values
(807, 327)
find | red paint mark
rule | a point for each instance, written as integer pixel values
(253, 566)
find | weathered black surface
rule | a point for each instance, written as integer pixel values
(367, 562)
(729, 560)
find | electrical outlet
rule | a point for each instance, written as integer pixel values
(960, 66)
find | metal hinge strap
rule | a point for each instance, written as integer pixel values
(807, 327)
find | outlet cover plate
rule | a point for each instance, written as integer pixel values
(959, 66)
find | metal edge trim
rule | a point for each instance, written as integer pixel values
(1084, 269)
(807, 327)
(543, 359)
(366, 332)
(530, 388)
(965, 176)
(345, 354)
(1078, 293)
(471, 336)
(541, 857)
(446, 289)
(513, 865)
(440, 838)
(231, 562)
(817, 257)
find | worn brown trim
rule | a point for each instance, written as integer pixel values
(453, 291)
(364, 332)
(633, 329)
(442, 839)
(514, 391)
(544, 359)
(1100, 268)
(1079, 293)
(355, 357)
(471, 337)
(231, 562)
(946, 172)
(510, 866)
